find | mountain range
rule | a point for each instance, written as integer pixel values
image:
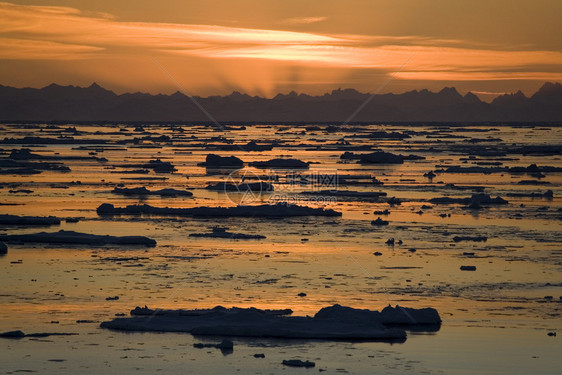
(95, 103)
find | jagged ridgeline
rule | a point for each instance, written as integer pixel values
(94, 103)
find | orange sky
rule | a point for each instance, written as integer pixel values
(264, 47)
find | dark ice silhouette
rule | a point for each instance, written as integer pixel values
(331, 323)
(77, 238)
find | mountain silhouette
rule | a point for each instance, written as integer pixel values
(95, 103)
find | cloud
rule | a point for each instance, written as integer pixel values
(302, 20)
(476, 76)
(22, 49)
(489, 93)
(70, 25)
(51, 33)
(423, 61)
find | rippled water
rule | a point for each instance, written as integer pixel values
(495, 319)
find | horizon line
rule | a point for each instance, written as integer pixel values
(292, 92)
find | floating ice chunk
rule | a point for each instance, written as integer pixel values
(218, 232)
(217, 161)
(379, 222)
(470, 238)
(330, 323)
(29, 220)
(144, 191)
(280, 163)
(264, 210)
(71, 237)
(298, 363)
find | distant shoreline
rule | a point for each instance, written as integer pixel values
(95, 104)
(455, 124)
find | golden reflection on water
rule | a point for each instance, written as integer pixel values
(330, 259)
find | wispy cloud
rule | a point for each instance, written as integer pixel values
(488, 93)
(50, 33)
(302, 20)
(24, 49)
